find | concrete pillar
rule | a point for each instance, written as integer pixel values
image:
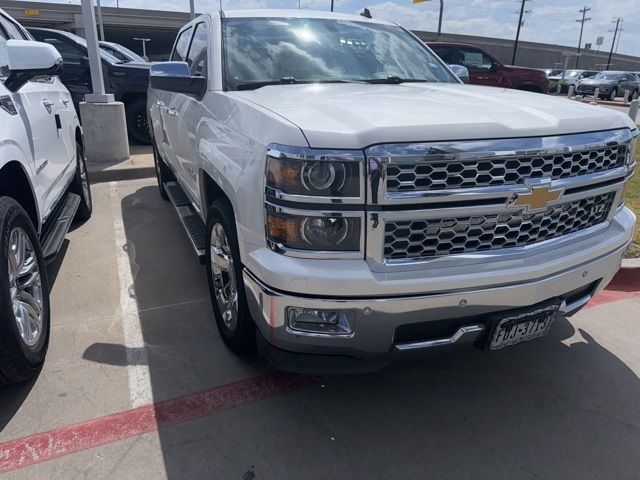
(105, 138)
(626, 96)
(571, 90)
(596, 94)
(633, 110)
(103, 120)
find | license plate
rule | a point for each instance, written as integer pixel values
(522, 327)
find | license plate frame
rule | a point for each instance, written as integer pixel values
(522, 327)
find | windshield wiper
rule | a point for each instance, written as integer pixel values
(395, 80)
(292, 81)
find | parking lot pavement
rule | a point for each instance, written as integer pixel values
(138, 384)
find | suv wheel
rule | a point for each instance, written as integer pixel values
(226, 287)
(81, 186)
(138, 122)
(24, 296)
(163, 174)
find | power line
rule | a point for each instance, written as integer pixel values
(615, 34)
(581, 21)
(520, 24)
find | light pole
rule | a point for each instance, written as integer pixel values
(101, 30)
(144, 47)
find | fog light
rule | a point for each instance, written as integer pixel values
(323, 322)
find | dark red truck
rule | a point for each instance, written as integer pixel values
(486, 70)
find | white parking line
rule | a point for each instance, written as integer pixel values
(140, 392)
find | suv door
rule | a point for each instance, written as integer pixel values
(38, 104)
(483, 69)
(75, 73)
(168, 137)
(190, 111)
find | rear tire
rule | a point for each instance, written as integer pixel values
(81, 186)
(226, 287)
(138, 122)
(24, 296)
(163, 174)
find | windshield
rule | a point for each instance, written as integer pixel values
(572, 73)
(555, 73)
(607, 76)
(262, 51)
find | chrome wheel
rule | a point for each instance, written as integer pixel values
(224, 280)
(84, 180)
(25, 286)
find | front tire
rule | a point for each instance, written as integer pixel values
(138, 122)
(24, 296)
(224, 272)
(81, 186)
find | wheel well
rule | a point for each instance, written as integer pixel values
(15, 184)
(79, 137)
(211, 192)
(529, 88)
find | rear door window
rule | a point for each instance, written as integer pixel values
(182, 46)
(472, 58)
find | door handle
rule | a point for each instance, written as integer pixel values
(159, 103)
(47, 103)
(172, 112)
(65, 101)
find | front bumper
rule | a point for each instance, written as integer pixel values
(377, 320)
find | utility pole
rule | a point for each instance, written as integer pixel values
(515, 45)
(615, 34)
(581, 22)
(332, 5)
(440, 20)
(100, 25)
(619, 35)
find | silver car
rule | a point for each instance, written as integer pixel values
(611, 85)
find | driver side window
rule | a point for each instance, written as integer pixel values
(182, 46)
(4, 59)
(472, 58)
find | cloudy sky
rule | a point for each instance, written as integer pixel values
(550, 21)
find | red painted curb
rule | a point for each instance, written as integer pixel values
(42, 447)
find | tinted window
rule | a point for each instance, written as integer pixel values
(4, 60)
(259, 50)
(182, 45)
(115, 53)
(197, 58)
(71, 55)
(444, 53)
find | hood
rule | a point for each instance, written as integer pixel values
(358, 115)
(596, 81)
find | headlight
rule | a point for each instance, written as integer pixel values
(312, 175)
(326, 233)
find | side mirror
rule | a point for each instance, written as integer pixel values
(176, 77)
(461, 72)
(28, 60)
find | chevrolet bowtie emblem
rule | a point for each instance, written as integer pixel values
(538, 198)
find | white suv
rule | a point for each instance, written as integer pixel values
(356, 202)
(43, 187)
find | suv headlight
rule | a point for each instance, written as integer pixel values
(311, 201)
(314, 175)
(329, 233)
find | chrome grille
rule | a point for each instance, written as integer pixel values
(442, 175)
(423, 239)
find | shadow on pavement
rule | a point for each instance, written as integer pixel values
(547, 409)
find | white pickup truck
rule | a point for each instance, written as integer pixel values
(357, 203)
(43, 187)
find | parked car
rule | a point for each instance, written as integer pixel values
(357, 203)
(486, 70)
(121, 52)
(611, 84)
(570, 77)
(127, 81)
(43, 187)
